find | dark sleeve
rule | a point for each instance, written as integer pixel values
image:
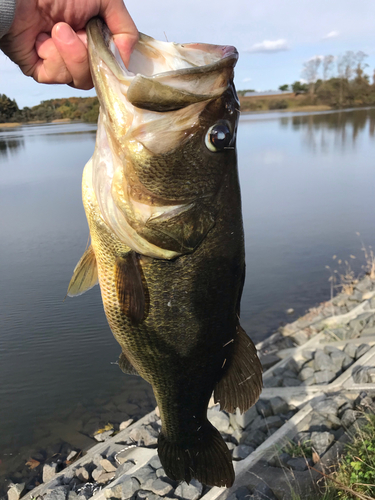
(7, 8)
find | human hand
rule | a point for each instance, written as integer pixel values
(48, 41)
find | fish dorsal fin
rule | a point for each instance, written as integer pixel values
(126, 365)
(129, 287)
(241, 384)
(85, 274)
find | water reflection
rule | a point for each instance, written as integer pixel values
(326, 131)
(10, 146)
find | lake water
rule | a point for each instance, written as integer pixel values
(308, 188)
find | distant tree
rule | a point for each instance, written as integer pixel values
(299, 87)
(8, 107)
(310, 71)
(284, 87)
(327, 65)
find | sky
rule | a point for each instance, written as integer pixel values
(274, 38)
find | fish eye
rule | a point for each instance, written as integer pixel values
(218, 137)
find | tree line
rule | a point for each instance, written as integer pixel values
(72, 108)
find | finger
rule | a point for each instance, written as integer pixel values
(50, 68)
(122, 26)
(73, 51)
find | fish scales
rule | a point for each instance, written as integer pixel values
(167, 243)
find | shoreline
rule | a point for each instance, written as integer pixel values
(309, 365)
(293, 109)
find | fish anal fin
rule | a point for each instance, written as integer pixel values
(241, 384)
(129, 287)
(85, 274)
(208, 459)
(126, 365)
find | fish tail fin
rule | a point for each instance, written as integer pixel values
(209, 460)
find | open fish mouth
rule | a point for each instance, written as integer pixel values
(162, 76)
(150, 169)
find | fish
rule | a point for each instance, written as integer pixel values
(162, 199)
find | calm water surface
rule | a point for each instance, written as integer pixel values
(307, 186)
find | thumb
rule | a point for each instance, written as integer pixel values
(121, 25)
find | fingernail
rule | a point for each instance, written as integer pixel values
(65, 33)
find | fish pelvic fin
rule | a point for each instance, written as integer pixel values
(126, 366)
(85, 274)
(241, 384)
(209, 460)
(129, 287)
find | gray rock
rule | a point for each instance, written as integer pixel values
(146, 475)
(59, 493)
(361, 350)
(348, 361)
(124, 468)
(72, 495)
(363, 374)
(155, 462)
(322, 361)
(335, 421)
(231, 446)
(146, 436)
(306, 373)
(264, 408)
(364, 284)
(242, 451)
(121, 456)
(97, 472)
(82, 474)
(15, 491)
(368, 331)
(190, 491)
(309, 381)
(159, 487)
(299, 464)
(103, 436)
(303, 438)
(355, 297)
(325, 376)
(69, 474)
(107, 465)
(253, 438)
(329, 349)
(350, 350)
(338, 357)
(308, 354)
(105, 477)
(283, 459)
(268, 423)
(341, 400)
(289, 374)
(321, 441)
(293, 365)
(348, 418)
(245, 419)
(147, 495)
(291, 382)
(237, 435)
(129, 487)
(261, 492)
(268, 361)
(272, 382)
(96, 459)
(256, 423)
(278, 405)
(219, 420)
(326, 407)
(319, 423)
(49, 471)
(300, 337)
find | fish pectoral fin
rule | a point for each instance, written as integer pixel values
(241, 384)
(85, 274)
(129, 287)
(126, 366)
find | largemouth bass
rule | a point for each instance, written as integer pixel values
(162, 200)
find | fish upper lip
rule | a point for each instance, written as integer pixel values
(227, 55)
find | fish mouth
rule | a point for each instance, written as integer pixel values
(161, 75)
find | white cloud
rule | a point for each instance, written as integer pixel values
(269, 46)
(247, 79)
(331, 34)
(316, 58)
